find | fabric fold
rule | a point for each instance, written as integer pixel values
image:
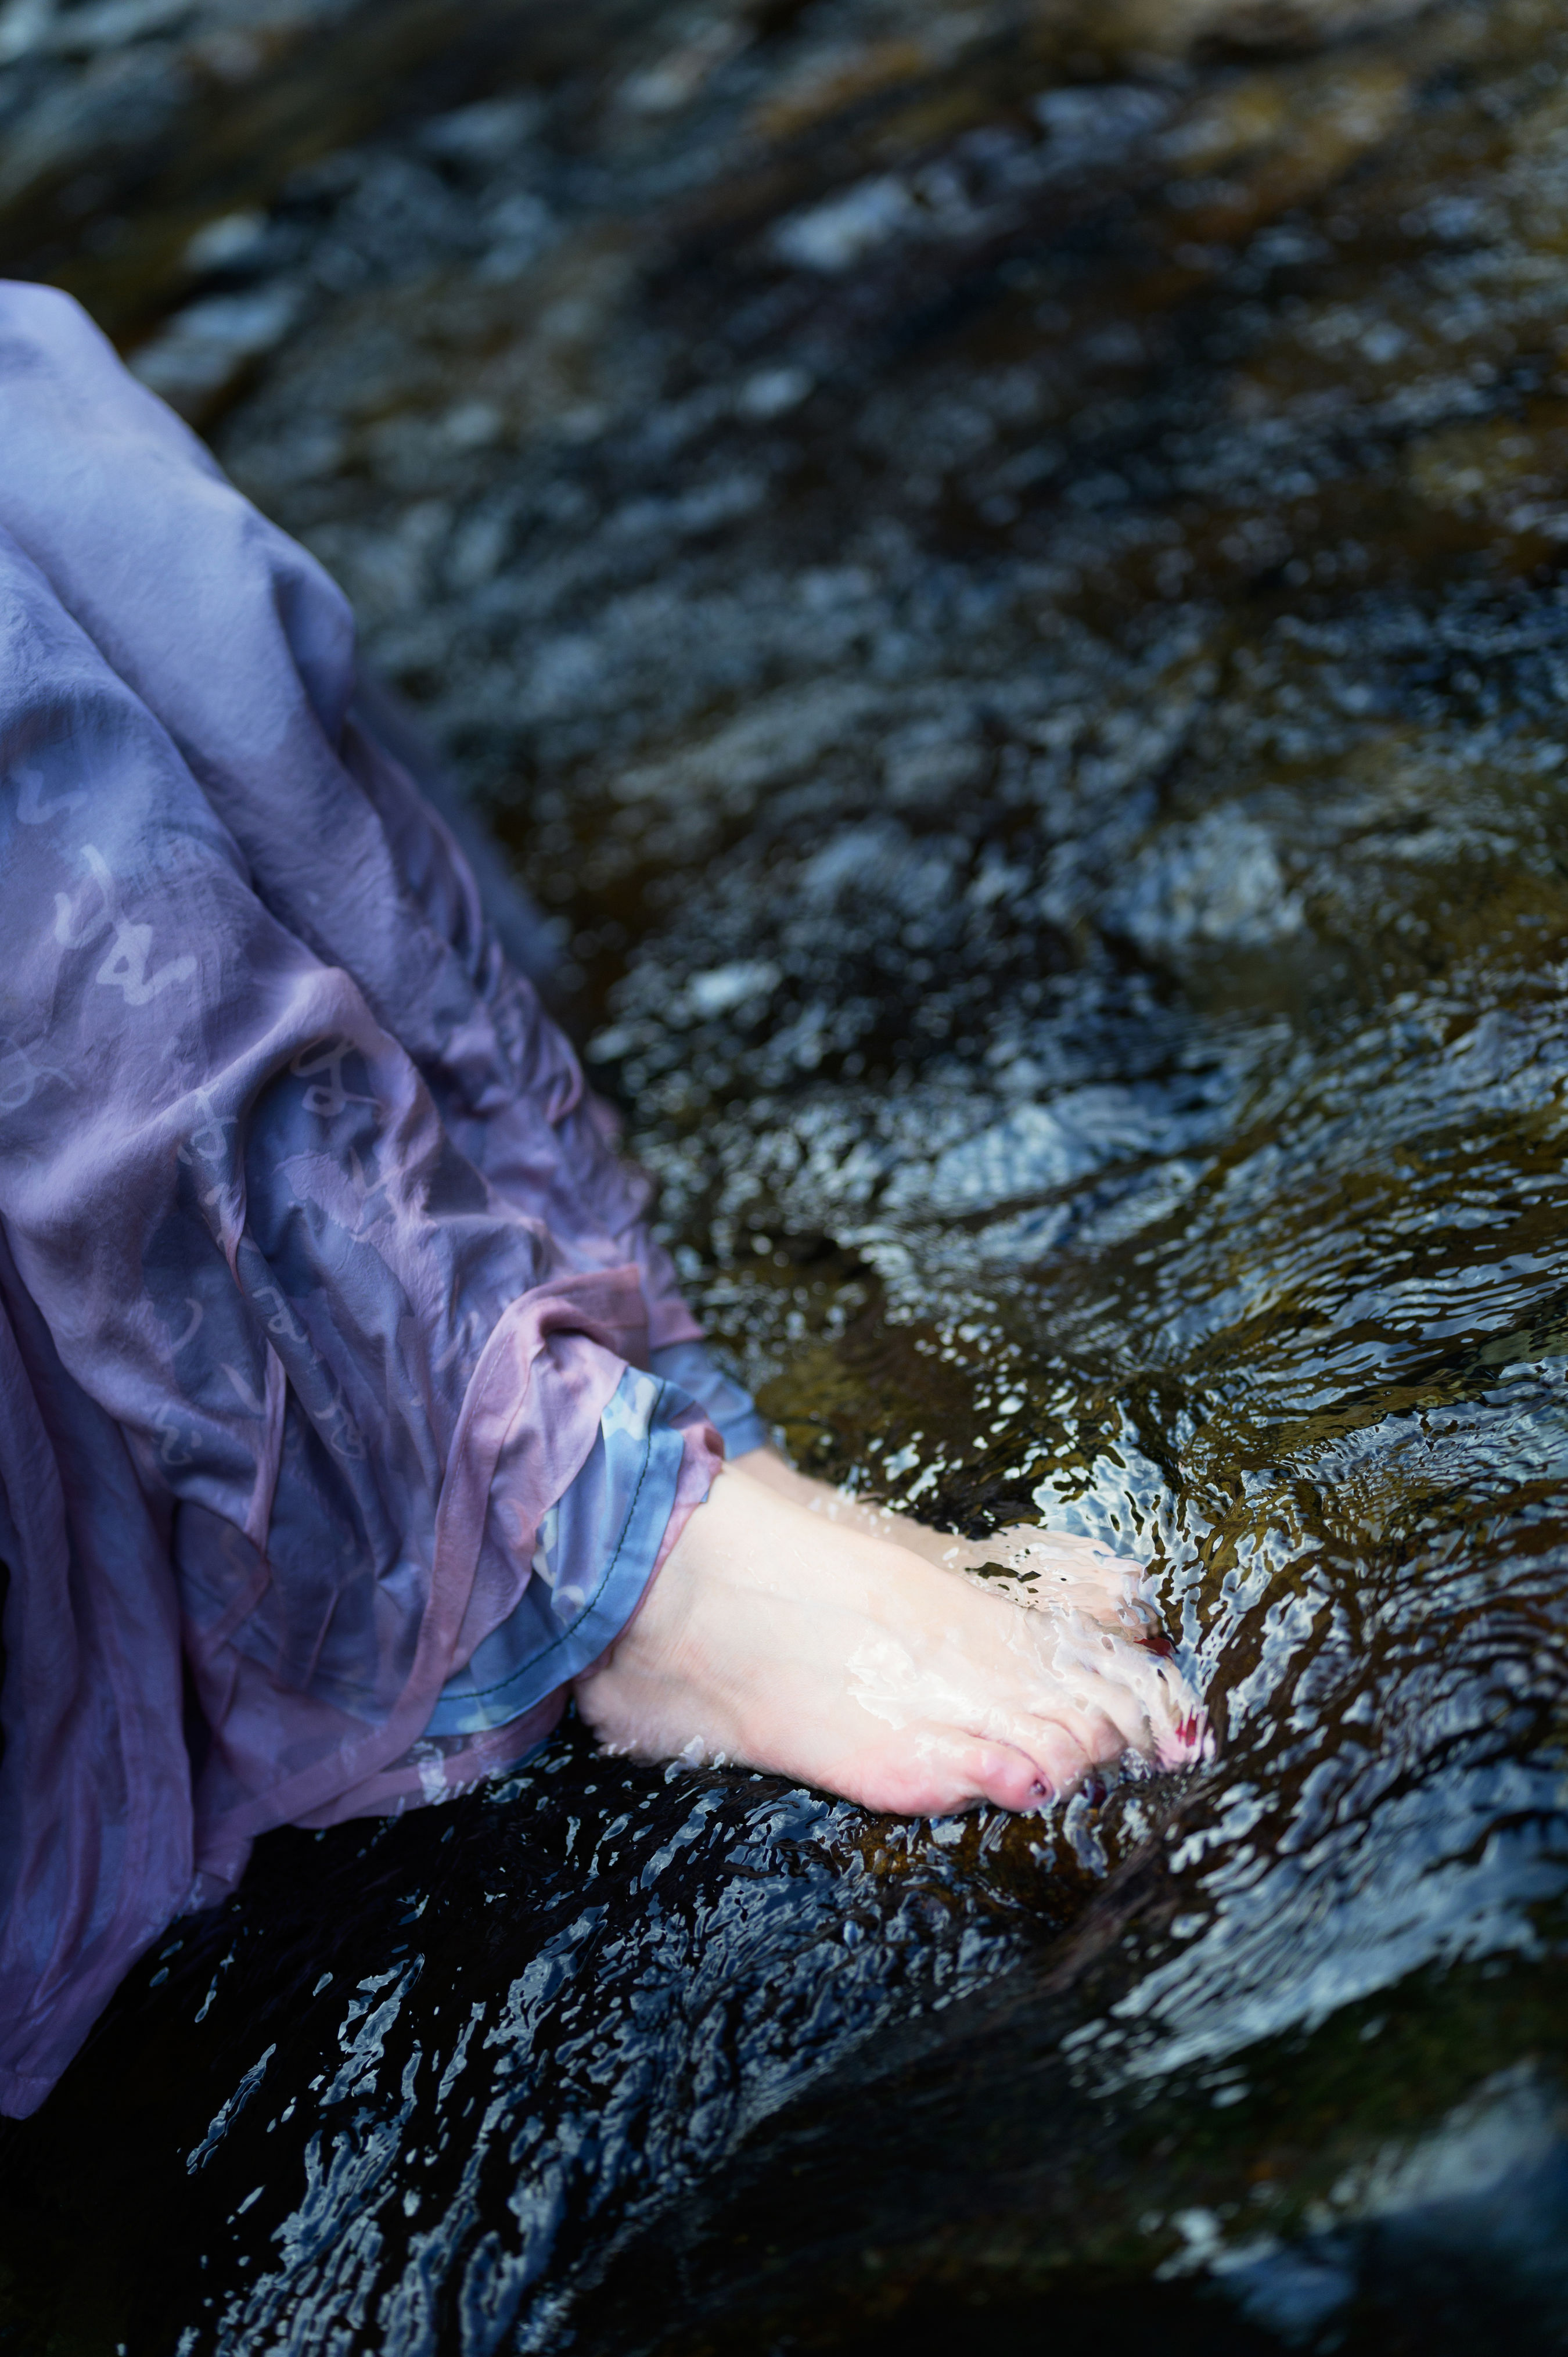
(590, 1557)
(95, 1802)
(313, 1247)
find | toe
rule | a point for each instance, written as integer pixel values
(1008, 1777)
(1143, 1694)
(1068, 1570)
(1037, 1761)
(1065, 1754)
(932, 1771)
(1187, 1739)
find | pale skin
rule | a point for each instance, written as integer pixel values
(798, 1629)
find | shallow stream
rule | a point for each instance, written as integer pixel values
(998, 573)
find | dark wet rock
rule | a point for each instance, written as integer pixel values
(999, 571)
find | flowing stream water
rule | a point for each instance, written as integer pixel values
(997, 570)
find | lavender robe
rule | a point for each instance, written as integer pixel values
(319, 1282)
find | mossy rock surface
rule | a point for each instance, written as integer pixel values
(997, 571)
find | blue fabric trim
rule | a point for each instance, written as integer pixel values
(729, 1406)
(595, 1556)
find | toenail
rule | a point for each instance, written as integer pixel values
(1040, 1791)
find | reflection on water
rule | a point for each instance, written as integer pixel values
(998, 569)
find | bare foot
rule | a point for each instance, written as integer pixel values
(788, 1639)
(1029, 1565)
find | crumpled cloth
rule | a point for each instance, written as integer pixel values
(311, 1248)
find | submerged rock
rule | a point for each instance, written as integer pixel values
(1004, 563)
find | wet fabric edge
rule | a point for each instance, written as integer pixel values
(434, 1769)
(682, 1460)
(624, 1494)
(53, 2027)
(601, 1311)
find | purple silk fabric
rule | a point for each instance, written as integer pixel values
(309, 1234)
